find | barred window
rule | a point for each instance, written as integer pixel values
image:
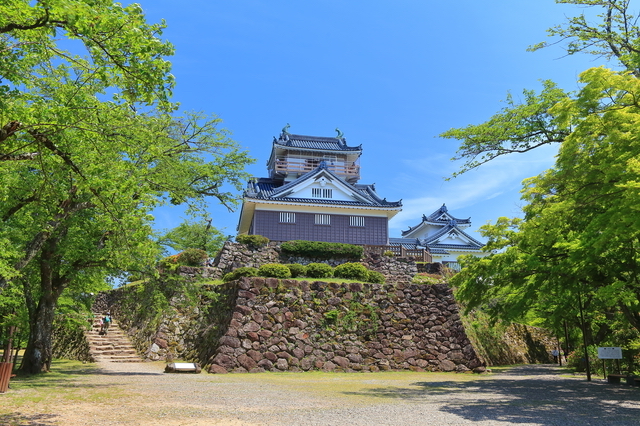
(321, 192)
(286, 217)
(356, 220)
(323, 219)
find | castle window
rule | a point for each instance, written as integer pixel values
(287, 217)
(356, 220)
(321, 192)
(323, 219)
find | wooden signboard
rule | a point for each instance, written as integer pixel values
(610, 353)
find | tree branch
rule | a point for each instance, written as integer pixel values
(9, 129)
(13, 210)
(67, 208)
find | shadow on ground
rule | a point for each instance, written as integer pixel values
(527, 394)
(17, 419)
(128, 373)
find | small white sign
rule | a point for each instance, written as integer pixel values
(184, 366)
(610, 353)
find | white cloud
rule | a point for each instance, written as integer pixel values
(485, 193)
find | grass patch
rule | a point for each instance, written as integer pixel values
(210, 282)
(68, 381)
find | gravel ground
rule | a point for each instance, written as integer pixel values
(524, 395)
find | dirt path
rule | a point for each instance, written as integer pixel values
(123, 394)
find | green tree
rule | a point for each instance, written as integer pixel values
(518, 128)
(577, 246)
(90, 144)
(612, 36)
(189, 234)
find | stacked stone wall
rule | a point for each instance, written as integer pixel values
(288, 325)
(395, 269)
(266, 324)
(186, 327)
(68, 341)
(236, 255)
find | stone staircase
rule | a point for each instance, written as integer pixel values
(114, 346)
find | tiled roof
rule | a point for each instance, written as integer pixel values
(443, 247)
(315, 142)
(412, 244)
(268, 189)
(408, 243)
(446, 229)
(434, 218)
(437, 250)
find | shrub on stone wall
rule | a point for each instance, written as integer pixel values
(169, 263)
(189, 257)
(275, 270)
(322, 250)
(252, 240)
(351, 271)
(375, 277)
(192, 257)
(319, 270)
(297, 270)
(424, 278)
(245, 271)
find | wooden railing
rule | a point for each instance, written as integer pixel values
(301, 167)
(420, 255)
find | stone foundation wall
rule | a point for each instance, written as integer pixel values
(69, 341)
(288, 325)
(266, 324)
(236, 255)
(395, 269)
(178, 327)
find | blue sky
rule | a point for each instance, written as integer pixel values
(390, 75)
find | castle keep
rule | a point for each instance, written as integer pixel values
(312, 193)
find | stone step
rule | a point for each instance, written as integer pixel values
(121, 360)
(108, 338)
(114, 346)
(115, 352)
(127, 349)
(109, 359)
(109, 335)
(115, 356)
(111, 331)
(111, 342)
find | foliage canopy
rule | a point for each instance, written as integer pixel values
(577, 246)
(90, 144)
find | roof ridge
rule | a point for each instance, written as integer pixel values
(279, 193)
(309, 137)
(449, 228)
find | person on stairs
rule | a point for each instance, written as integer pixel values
(106, 322)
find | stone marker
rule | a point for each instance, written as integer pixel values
(183, 367)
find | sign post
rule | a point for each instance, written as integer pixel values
(610, 353)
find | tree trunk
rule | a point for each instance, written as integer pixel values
(632, 316)
(37, 356)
